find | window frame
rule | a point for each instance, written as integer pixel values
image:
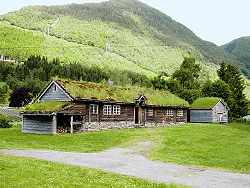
(151, 112)
(106, 109)
(169, 112)
(116, 111)
(180, 114)
(94, 107)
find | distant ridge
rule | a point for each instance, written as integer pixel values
(141, 38)
(240, 48)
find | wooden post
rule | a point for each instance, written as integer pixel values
(175, 116)
(89, 113)
(71, 124)
(155, 117)
(54, 123)
(145, 116)
(186, 117)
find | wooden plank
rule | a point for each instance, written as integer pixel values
(37, 124)
(54, 124)
(202, 116)
(71, 124)
(54, 93)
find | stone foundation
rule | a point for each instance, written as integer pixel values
(95, 126)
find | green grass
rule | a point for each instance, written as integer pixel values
(13, 37)
(87, 142)
(207, 102)
(208, 145)
(48, 106)
(25, 172)
(119, 93)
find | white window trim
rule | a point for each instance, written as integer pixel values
(115, 107)
(93, 106)
(150, 112)
(170, 112)
(178, 113)
(107, 106)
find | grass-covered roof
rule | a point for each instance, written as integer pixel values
(207, 102)
(85, 90)
(47, 106)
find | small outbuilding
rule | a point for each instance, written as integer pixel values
(209, 110)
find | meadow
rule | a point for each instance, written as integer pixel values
(208, 145)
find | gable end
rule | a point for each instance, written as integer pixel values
(54, 92)
(221, 102)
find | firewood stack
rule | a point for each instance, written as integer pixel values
(63, 130)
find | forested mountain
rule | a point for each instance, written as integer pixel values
(141, 38)
(240, 48)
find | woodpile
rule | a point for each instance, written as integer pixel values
(63, 129)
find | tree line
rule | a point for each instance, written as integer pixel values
(185, 83)
(36, 71)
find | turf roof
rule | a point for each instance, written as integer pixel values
(207, 102)
(86, 90)
(47, 106)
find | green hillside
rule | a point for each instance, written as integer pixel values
(240, 48)
(142, 39)
(11, 39)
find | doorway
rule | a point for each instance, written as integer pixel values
(136, 115)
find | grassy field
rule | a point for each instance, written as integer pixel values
(21, 172)
(209, 145)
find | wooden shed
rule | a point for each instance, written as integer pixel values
(209, 110)
(68, 107)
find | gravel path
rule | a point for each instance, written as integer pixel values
(132, 162)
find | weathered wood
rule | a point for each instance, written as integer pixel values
(71, 124)
(37, 124)
(210, 115)
(54, 124)
(54, 93)
(155, 117)
(202, 116)
(220, 110)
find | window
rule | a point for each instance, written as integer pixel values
(169, 112)
(116, 109)
(150, 112)
(107, 109)
(94, 109)
(180, 113)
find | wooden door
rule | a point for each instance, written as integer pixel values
(136, 115)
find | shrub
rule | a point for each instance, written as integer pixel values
(239, 120)
(4, 122)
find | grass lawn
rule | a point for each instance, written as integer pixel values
(25, 172)
(209, 145)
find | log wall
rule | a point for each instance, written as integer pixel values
(41, 124)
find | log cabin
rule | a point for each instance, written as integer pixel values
(209, 110)
(69, 107)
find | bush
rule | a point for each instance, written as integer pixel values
(4, 122)
(239, 120)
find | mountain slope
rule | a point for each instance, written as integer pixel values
(141, 38)
(240, 48)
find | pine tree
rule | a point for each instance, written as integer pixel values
(232, 76)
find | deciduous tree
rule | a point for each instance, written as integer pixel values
(20, 97)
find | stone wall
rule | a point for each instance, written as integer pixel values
(95, 126)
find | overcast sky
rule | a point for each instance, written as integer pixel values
(218, 21)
